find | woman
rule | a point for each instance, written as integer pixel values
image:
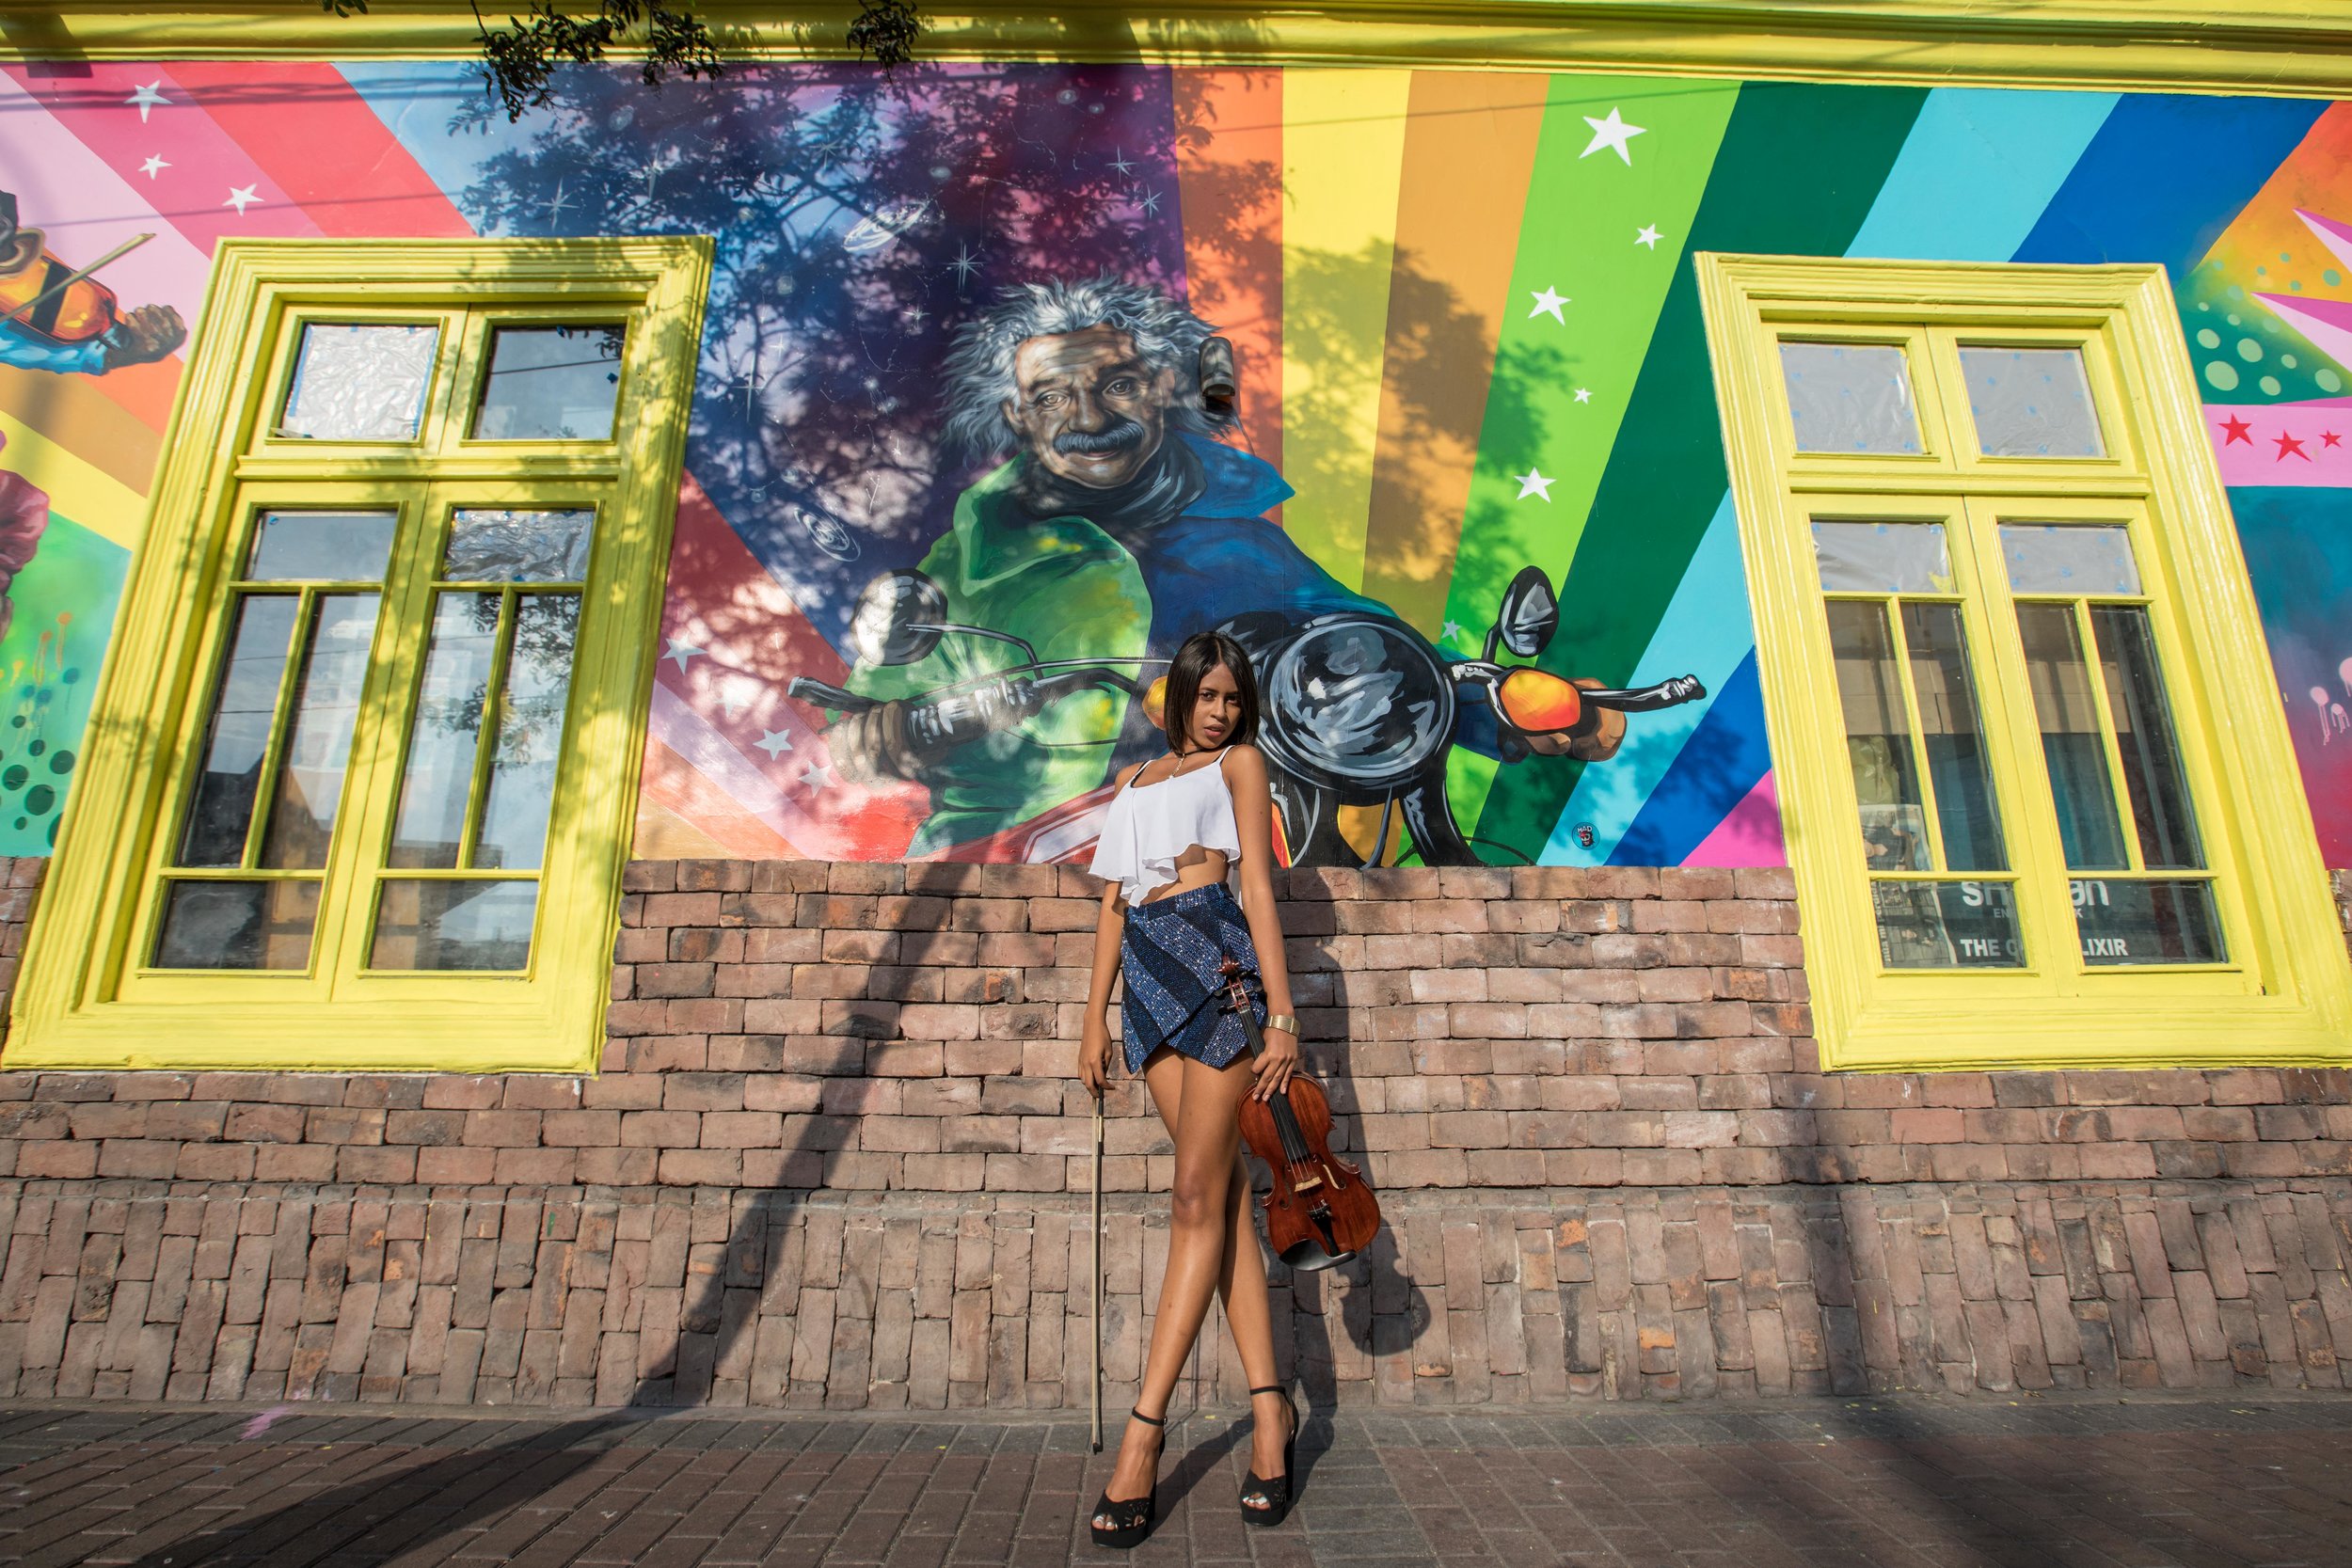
(1176, 828)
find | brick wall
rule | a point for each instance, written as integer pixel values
(832, 1157)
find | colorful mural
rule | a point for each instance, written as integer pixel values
(1466, 496)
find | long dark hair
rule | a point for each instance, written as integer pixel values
(1202, 652)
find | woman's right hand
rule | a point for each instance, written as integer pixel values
(1094, 1055)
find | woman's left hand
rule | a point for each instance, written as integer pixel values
(1275, 1064)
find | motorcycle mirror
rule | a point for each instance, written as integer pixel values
(1530, 615)
(897, 618)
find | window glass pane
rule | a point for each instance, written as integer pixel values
(1878, 740)
(2080, 560)
(1849, 397)
(1947, 924)
(325, 709)
(260, 925)
(550, 384)
(453, 924)
(439, 780)
(321, 547)
(2031, 402)
(2072, 746)
(2143, 731)
(518, 546)
(1883, 558)
(360, 383)
(2126, 922)
(1958, 764)
(514, 831)
(220, 806)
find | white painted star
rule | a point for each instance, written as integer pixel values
(679, 653)
(968, 261)
(1613, 134)
(915, 314)
(772, 742)
(1120, 163)
(733, 703)
(1148, 203)
(1548, 303)
(242, 197)
(816, 776)
(147, 98)
(153, 165)
(1451, 632)
(1648, 236)
(1532, 483)
(1583, 394)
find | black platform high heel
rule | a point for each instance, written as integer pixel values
(1268, 1501)
(1130, 1519)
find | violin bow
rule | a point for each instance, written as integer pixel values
(62, 284)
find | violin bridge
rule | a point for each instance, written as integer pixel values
(1306, 1184)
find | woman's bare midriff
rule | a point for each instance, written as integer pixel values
(1196, 867)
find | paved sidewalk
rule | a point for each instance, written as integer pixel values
(2077, 1480)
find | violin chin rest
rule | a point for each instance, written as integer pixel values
(1309, 1257)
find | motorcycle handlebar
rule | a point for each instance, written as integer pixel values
(807, 690)
(1645, 698)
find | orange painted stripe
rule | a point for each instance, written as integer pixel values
(1228, 178)
(75, 412)
(1469, 152)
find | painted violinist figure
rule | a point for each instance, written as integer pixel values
(56, 317)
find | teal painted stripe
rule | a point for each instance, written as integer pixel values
(1973, 178)
(1977, 172)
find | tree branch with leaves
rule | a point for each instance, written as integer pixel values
(519, 59)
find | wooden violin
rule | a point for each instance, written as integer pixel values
(44, 297)
(1321, 1211)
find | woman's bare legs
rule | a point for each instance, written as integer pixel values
(1208, 1219)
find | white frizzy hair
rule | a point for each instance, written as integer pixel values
(979, 369)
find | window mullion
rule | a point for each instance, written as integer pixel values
(2110, 745)
(2020, 781)
(493, 710)
(1917, 737)
(280, 724)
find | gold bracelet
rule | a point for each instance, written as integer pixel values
(1283, 1022)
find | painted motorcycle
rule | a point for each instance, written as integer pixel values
(1356, 709)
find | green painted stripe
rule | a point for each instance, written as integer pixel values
(1579, 238)
(1799, 166)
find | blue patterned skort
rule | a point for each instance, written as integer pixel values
(1169, 959)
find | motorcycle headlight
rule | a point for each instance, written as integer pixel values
(1357, 703)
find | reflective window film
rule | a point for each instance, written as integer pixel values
(2078, 560)
(237, 925)
(2150, 753)
(2030, 401)
(2073, 747)
(1878, 737)
(237, 734)
(513, 831)
(2126, 921)
(360, 383)
(1945, 925)
(1883, 558)
(321, 547)
(517, 546)
(453, 925)
(310, 766)
(550, 384)
(1849, 397)
(1958, 764)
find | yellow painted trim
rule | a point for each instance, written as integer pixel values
(2285, 994)
(2170, 44)
(85, 1001)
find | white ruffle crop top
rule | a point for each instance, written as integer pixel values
(1149, 827)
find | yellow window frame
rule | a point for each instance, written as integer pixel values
(2285, 994)
(86, 999)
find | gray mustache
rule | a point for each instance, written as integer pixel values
(1123, 435)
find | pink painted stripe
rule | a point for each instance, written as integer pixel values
(207, 164)
(2282, 443)
(86, 207)
(1749, 834)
